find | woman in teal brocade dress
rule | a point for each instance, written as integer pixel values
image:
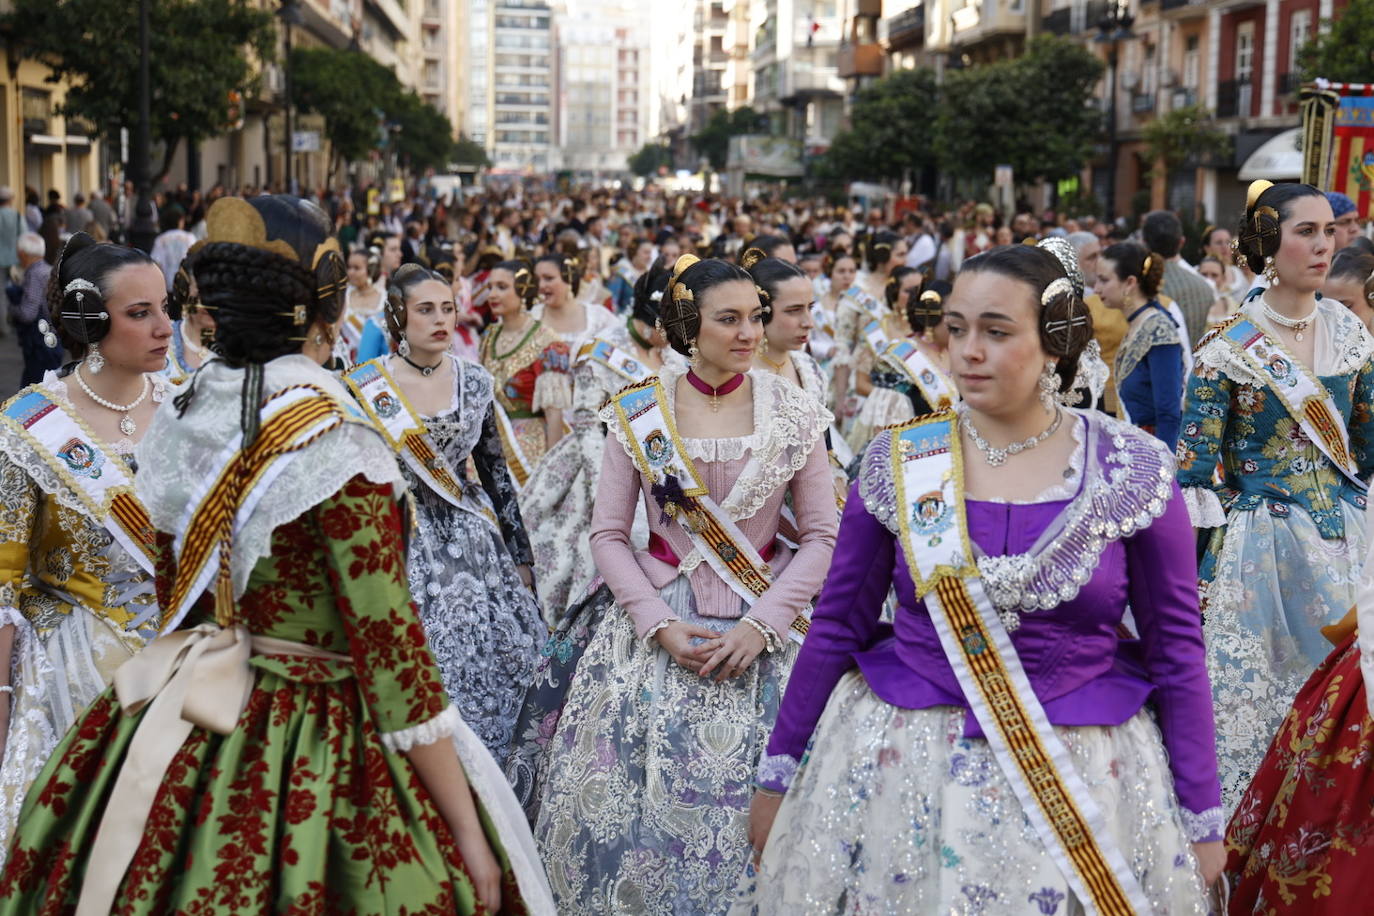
(1287, 526)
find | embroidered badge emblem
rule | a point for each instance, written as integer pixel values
(658, 448)
(386, 405)
(932, 516)
(629, 367)
(973, 641)
(81, 459)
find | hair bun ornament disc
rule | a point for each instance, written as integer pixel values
(682, 263)
(751, 257)
(1257, 188)
(1059, 286)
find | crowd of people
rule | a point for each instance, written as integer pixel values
(458, 555)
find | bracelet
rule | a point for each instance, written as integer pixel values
(7, 688)
(771, 793)
(770, 639)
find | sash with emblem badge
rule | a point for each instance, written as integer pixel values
(927, 469)
(648, 428)
(935, 387)
(615, 359)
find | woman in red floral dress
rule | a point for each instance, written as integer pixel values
(288, 747)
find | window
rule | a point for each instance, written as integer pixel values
(1299, 31)
(1191, 63)
(1245, 51)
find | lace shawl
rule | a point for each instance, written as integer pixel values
(1156, 330)
(1128, 478)
(788, 424)
(179, 453)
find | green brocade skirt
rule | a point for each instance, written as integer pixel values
(300, 810)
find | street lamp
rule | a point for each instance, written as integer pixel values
(1113, 28)
(290, 14)
(143, 230)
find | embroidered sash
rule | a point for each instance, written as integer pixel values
(615, 359)
(1303, 396)
(290, 420)
(662, 458)
(98, 478)
(927, 468)
(520, 466)
(405, 431)
(862, 301)
(936, 387)
(876, 336)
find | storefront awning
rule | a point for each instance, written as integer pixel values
(1278, 159)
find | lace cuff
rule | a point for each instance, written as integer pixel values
(9, 614)
(552, 390)
(653, 630)
(1204, 507)
(1205, 826)
(771, 643)
(443, 725)
(776, 772)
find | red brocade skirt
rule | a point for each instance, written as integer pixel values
(1302, 839)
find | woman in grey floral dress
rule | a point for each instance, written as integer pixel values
(469, 556)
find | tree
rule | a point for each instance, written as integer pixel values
(199, 55)
(890, 133)
(649, 159)
(1183, 136)
(425, 140)
(469, 152)
(1344, 51)
(357, 96)
(1032, 113)
(713, 141)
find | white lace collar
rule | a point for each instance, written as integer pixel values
(180, 452)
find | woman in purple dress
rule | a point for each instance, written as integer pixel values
(992, 751)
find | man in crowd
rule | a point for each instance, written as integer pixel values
(1163, 235)
(38, 356)
(1347, 220)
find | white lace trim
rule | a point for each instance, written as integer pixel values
(776, 771)
(1344, 343)
(1204, 507)
(552, 390)
(1125, 491)
(653, 631)
(9, 614)
(179, 453)
(441, 726)
(1204, 825)
(787, 425)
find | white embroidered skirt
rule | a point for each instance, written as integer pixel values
(894, 812)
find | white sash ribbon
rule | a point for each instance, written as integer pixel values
(615, 359)
(1302, 395)
(927, 468)
(936, 387)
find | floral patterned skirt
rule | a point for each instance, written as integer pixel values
(299, 810)
(650, 773)
(556, 505)
(893, 811)
(1270, 583)
(527, 764)
(1302, 839)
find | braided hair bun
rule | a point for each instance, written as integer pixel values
(681, 311)
(1065, 323)
(79, 287)
(1267, 205)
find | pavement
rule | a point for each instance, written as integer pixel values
(11, 364)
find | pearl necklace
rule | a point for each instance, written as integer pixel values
(996, 457)
(1297, 325)
(127, 426)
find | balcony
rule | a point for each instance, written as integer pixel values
(1142, 102)
(905, 30)
(1183, 9)
(990, 18)
(1289, 83)
(859, 60)
(798, 84)
(1233, 98)
(1183, 97)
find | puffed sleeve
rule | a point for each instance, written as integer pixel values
(1362, 420)
(396, 672)
(844, 621)
(19, 505)
(813, 501)
(1161, 566)
(553, 385)
(1166, 387)
(495, 476)
(1205, 409)
(613, 513)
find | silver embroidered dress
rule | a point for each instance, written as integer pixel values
(483, 625)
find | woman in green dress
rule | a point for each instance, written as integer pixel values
(287, 746)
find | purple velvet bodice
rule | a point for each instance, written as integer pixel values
(1081, 669)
